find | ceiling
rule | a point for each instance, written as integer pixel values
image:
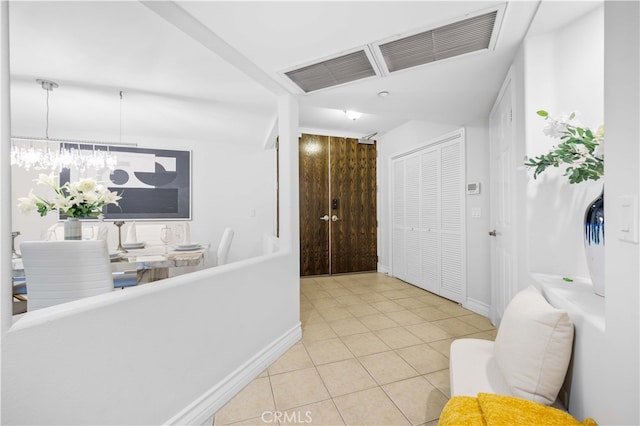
(112, 46)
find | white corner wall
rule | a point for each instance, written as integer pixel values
(177, 350)
(591, 65)
(174, 351)
(412, 135)
(478, 240)
(564, 72)
(170, 352)
(620, 351)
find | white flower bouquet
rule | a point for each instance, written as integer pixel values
(81, 199)
(580, 149)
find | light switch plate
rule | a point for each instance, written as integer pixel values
(628, 229)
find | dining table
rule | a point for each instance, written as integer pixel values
(149, 262)
(153, 262)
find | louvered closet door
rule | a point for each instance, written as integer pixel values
(452, 283)
(412, 219)
(428, 217)
(398, 232)
(430, 202)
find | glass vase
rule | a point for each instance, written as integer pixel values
(72, 229)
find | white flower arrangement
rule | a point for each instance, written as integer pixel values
(580, 148)
(81, 199)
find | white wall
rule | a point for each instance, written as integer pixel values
(551, 239)
(564, 72)
(590, 65)
(233, 183)
(177, 350)
(478, 243)
(173, 351)
(170, 352)
(622, 108)
(412, 135)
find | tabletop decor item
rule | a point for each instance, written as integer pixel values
(582, 151)
(76, 200)
(119, 224)
(14, 253)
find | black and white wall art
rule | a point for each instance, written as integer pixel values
(153, 183)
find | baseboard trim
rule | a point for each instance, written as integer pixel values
(383, 269)
(201, 410)
(478, 307)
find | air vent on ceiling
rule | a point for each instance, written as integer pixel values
(455, 39)
(332, 72)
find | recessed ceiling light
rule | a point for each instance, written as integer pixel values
(353, 115)
(383, 94)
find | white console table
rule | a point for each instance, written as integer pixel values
(582, 391)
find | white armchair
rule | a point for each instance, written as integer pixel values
(529, 358)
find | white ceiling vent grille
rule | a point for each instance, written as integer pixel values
(454, 39)
(332, 72)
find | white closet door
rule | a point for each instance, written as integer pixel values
(412, 219)
(452, 221)
(398, 231)
(430, 203)
(428, 217)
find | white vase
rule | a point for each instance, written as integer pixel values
(72, 229)
(594, 242)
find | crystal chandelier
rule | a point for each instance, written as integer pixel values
(58, 154)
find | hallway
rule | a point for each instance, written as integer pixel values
(374, 352)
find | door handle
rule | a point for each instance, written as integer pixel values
(335, 218)
(325, 218)
(493, 233)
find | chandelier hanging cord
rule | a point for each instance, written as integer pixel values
(48, 86)
(46, 130)
(121, 116)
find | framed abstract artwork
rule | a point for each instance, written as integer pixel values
(153, 183)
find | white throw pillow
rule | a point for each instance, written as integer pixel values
(533, 347)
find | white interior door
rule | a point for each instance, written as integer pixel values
(503, 256)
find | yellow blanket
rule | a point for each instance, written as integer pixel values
(500, 410)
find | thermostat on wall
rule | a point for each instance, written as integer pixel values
(473, 188)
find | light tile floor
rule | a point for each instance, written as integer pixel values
(374, 351)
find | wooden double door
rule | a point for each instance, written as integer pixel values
(338, 226)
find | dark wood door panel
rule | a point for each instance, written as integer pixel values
(314, 203)
(353, 184)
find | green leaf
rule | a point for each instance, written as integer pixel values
(542, 113)
(567, 279)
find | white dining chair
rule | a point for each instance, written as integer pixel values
(61, 271)
(223, 249)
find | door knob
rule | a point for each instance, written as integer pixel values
(335, 218)
(325, 218)
(493, 233)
